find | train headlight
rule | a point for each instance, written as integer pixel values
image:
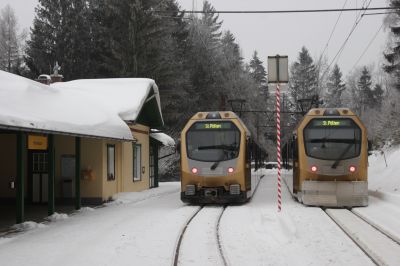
(195, 170)
(352, 168)
(314, 169)
(231, 170)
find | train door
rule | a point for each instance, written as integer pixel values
(38, 176)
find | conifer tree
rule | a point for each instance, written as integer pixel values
(335, 87)
(393, 57)
(304, 77)
(364, 92)
(377, 95)
(258, 73)
(60, 33)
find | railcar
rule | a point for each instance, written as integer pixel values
(326, 159)
(216, 153)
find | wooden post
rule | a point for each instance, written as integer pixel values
(77, 173)
(51, 197)
(20, 199)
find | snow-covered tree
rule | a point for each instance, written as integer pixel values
(303, 77)
(393, 55)
(11, 41)
(335, 87)
(258, 73)
(61, 33)
(365, 94)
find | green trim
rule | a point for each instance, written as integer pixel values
(20, 215)
(78, 203)
(51, 199)
(150, 115)
(155, 154)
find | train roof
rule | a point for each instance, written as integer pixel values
(220, 115)
(215, 115)
(330, 112)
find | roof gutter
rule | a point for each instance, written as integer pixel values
(43, 131)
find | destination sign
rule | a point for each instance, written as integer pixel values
(331, 123)
(214, 125)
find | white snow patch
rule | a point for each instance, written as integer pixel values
(163, 138)
(26, 226)
(133, 197)
(86, 209)
(57, 217)
(384, 176)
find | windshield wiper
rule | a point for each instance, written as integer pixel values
(335, 164)
(214, 166)
(222, 147)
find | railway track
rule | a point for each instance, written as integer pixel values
(378, 245)
(203, 226)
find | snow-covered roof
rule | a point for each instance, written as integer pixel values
(96, 108)
(163, 138)
(124, 96)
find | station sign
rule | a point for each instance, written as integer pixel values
(37, 142)
(278, 71)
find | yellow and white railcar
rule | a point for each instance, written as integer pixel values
(328, 155)
(216, 159)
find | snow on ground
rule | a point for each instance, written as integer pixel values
(200, 238)
(383, 250)
(139, 232)
(256, 234)
(384, 176)
(143, 228)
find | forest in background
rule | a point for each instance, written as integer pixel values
(197, 65)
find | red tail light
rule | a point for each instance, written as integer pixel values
(314, 168)
(195, 170)
(352, 168)
(231, 170)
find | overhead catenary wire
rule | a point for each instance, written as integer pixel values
(369, 44)
(339, 52)
(333, 30)
(278, 11)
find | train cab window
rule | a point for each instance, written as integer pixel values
(332, 139)
(213, 141)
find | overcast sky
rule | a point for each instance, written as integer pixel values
(283, 34)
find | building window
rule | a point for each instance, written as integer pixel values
(110, 162)
(137, 162)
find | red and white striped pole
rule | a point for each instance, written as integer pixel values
(278, 143)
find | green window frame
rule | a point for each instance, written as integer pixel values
(137, 162)
(110, 162)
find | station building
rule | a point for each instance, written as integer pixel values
(77, 142)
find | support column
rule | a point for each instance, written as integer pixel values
(77, 173)
(155, 152)
(51, 197)
(20, 196)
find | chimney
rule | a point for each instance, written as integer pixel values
(55, 77)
